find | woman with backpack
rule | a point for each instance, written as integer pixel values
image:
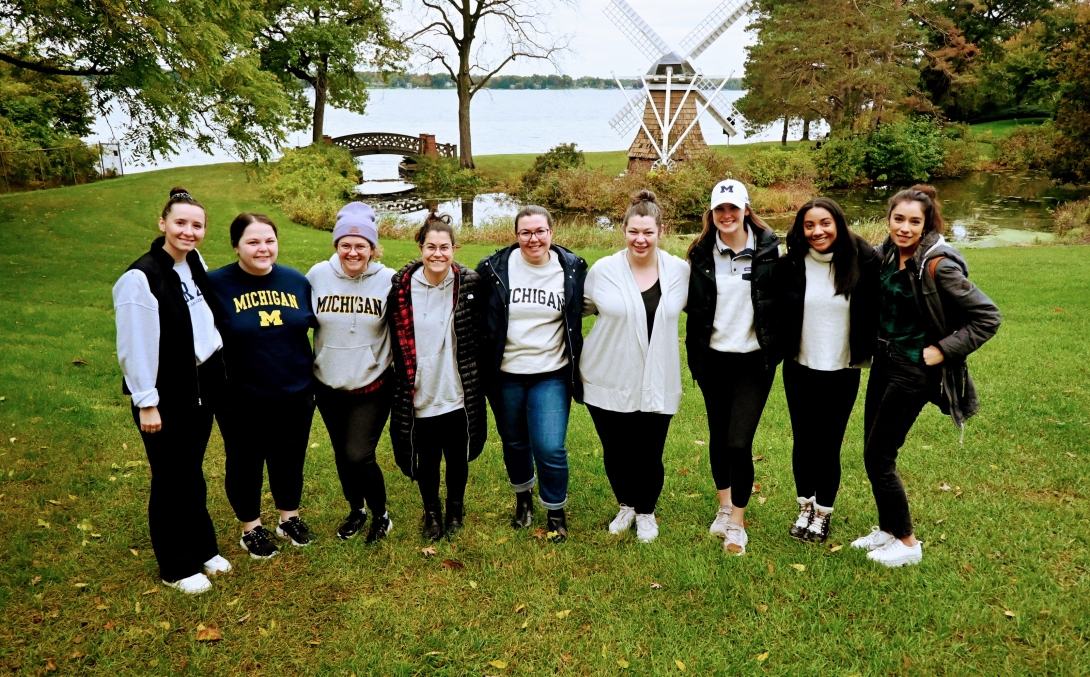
(930, 318)
(436, 318)
(729, 336)
(534, 340)
(825, 308)
(631, 366)
(170, 355)
(352, 361)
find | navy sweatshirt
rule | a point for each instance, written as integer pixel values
(266, 348)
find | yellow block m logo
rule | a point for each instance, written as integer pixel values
(272, 318)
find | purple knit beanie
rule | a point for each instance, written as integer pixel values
(356, 218)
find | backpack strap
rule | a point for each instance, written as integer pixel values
(932, 264)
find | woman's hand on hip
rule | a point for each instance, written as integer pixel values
(150, 421)
(931, 356)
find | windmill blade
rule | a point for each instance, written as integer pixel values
(715, 24)
(629, 116)
(720, 107)
(637, 30)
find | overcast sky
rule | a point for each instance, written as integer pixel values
(599, 47)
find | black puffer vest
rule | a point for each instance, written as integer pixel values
(468, 327)
(176, 381)
(703, 295)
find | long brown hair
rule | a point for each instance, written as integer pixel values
(928, 198)
(751, 220)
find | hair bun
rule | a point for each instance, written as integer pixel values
(927, 190)
(644, 196)
(178, 190)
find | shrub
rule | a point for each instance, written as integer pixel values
(960, 154)
(69, 160)
(1073, 221)
(311, 184)
(904, 151)
(770, 166)
(841, 163)
(566, 155)
(1027, 147)
(444, 177)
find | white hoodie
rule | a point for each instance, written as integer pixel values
(352, 342)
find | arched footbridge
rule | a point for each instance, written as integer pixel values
(384, 143)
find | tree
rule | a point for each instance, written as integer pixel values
(185, 73)
(1073, 112)
(42, 107)
(455, 33)
(324, 43)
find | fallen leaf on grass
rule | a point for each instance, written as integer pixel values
(314, 642)
(501, 541)
(958, 494)
(138, 607)
(150, 592)
(55, 502)
(942, 536)
(699, 442)
(761, 500)
(434, 653)
(762, 657)
(798, 567)
(563, 614)
(1043, 612)
(101, 607)
(680, 665)
(233, 602)
(756, 488)
(429, 551)
(209, 635)
(110, 625)
(1009, 614)
(165, 625)
(771, 568)
(519, 608)
(50, 665)
(135, 552)
(78, 362)
(79, 585)
(473, 584)
(453, 564)
(36, 580)
(539, 533)
(937, 522)
(762, 608)
(245, 618)
(524, 624)
(683, 471)
(994, 466)
(656, 586)
(836, 548)
(944, 486)
(76, 655)
(1068, 453)
(499, 665)
(758, 458)
(43, 523)
(622, 663)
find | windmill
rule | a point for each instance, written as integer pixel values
(675, 93)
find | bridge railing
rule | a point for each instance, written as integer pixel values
(385, 143)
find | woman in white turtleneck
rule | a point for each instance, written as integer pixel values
(824, 292)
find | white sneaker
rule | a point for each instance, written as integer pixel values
(216, 565)
(874, 540)
(897, 554)
(193, 585)
(736, 539)
(623, 521)
(647, 527)
(806, 515)
(719, 525)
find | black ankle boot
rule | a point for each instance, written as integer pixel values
(524, 509)
(557, 527)
(432, 529)
(454, 518)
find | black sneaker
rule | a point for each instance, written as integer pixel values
(353, 524)
(259, 543)
(380, 527)
(524, 509)
(556, 529)
(296, 531)
(454, 521)
(802, 524)
(432, 529)
(818, 531)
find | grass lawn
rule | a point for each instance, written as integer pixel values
(1004, 588)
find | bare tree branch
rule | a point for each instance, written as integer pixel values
(47, 69)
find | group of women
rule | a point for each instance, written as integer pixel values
(427, 345)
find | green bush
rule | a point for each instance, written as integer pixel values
(444, 177)
(768, 167)
(960, 152)
(312, 183)
(1073, 221)
(905, 151)
(842, 163)
(1028, 147)
(564, 156)
(51, 158)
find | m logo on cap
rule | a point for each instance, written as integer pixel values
(726, 189)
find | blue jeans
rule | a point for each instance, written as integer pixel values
(532, 419)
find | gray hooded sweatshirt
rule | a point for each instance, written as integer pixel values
(352, 342)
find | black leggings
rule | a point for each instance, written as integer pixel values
(355, 423)
(735, 388)
(896, 393)
(632, 449)
(178, 492)
(256, 432)
(436, 437)
(820, 403)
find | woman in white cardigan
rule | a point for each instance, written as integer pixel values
(631, 364)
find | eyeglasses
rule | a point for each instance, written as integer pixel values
(443, 248)
(527, 235)
(361, 248)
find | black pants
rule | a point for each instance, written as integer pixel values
(632, 448)
(896, 393)
(355, 423)
(434, 438)
(820, 403)
(178, 500)
(735, 388)
(256, 432)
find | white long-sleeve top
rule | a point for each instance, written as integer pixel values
(826, 318)
(622, 370)
(137, 318)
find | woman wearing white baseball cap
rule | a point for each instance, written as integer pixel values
(729, 340)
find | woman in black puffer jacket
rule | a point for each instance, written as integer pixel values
(436, 316)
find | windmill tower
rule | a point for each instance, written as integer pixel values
(675, 93)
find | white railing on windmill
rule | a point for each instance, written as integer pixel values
(652, 109)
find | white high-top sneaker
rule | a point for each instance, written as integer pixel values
(216, 565)
(806, 514)
(897, 554)
(874, 540)
(192, 585)
(623, 521)
(719, 525)
(647, 528)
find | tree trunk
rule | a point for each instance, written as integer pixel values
(465, 137)
(321, 93)
(786, 121)
(806, 129)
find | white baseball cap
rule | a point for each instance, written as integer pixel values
(731, 192)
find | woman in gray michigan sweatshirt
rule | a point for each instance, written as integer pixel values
(351, 363)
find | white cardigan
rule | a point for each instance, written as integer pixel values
(621, 370)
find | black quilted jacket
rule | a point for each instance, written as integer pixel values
(468, 325)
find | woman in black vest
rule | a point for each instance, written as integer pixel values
(169, 351)
(825, 303)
